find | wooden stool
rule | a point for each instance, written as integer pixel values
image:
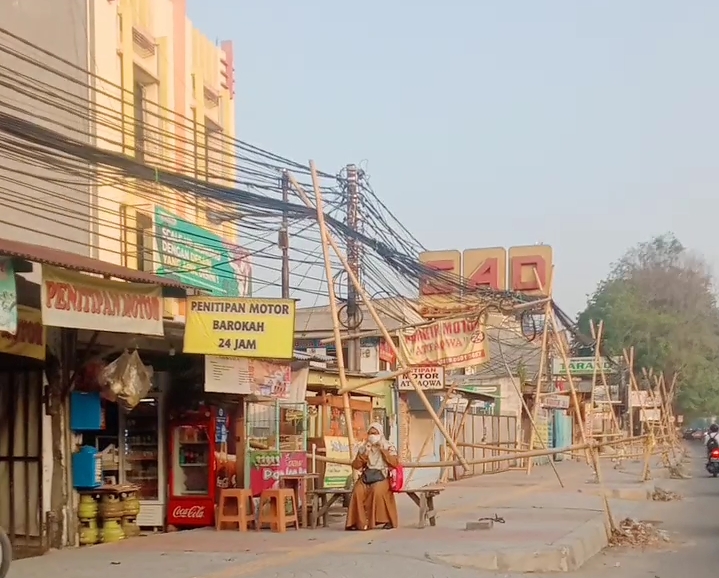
(277, 517)
(245, 509)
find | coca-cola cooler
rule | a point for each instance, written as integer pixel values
(200, 464)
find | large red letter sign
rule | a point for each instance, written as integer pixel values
(435, 294)
(486, 268)
(524, 262)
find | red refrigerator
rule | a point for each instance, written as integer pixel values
(191, 499)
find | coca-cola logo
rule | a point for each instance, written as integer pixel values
(193, 512)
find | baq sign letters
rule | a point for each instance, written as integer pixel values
(240, 327)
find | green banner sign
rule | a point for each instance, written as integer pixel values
(201, 258)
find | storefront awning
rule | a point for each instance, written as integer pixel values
(476, 396)
(74, 262)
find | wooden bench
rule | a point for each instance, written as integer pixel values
(324, 499)
(424, 498)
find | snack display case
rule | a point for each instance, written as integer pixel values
(142, 461)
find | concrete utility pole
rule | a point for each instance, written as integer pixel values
(283, 240)
(354, 259)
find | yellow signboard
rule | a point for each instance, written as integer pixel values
(337, 475)
(29, 339)
(240, 327)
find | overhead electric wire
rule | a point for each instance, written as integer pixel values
(248, 176)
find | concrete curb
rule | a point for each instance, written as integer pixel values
(566, 555)
(632, 492)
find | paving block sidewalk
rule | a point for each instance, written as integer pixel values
(538, 515)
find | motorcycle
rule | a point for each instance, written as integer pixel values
(5, 553)
(712, 465)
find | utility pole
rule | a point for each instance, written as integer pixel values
(283, 240)
(354, 259)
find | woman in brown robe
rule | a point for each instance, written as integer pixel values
(372, 504)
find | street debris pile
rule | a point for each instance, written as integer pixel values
(677, 472)
(636, 533)
(660, 495)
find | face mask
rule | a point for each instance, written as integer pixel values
(373, 438)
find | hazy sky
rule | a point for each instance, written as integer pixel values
(588, 125)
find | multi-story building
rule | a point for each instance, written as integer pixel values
(164, 95)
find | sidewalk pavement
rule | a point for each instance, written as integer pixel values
(547, 528)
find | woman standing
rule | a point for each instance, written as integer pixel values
(373, 504)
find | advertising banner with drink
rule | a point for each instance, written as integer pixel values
(336, 475)
(245, 376)
(450, 343)
(240, 327)
(266, 467)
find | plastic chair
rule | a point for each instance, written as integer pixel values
(244, 509)
(273, 510)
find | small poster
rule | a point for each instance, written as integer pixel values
(8, 297)
(221, 426)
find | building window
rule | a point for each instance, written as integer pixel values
(140, 121)
(136, 240)
(143, 232)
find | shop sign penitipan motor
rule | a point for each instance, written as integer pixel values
(240, 327)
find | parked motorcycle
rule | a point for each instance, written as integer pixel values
(712, 465)
(5, 553)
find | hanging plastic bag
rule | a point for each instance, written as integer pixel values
(127, 379)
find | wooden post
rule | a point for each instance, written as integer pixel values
(542, 356)
(335, 318)
(373, 312)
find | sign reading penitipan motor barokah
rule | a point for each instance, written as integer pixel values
(240, 327)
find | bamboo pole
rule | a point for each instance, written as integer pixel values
(630, 361)
(440, 413)
(532, 421)
(335, 316)
(542, 356)
(615, 421)
(370, 307)
(570, 380)
(377, 379)
(455, 436)
(507, 458)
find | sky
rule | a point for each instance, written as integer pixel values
(588, 125)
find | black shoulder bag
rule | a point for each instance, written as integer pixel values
(370, 476)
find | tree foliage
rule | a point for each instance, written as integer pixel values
(660, 299)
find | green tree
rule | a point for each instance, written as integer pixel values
(660, 299)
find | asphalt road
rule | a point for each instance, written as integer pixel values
(693, 526)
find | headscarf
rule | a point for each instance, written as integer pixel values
(375, 459)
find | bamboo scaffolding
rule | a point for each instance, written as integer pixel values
(570, 380)
(328, 239)
(602, 374)
(534, 415)
(378, 379)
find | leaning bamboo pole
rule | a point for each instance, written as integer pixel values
(335, 317)
(534, 415)
(440, 413)
(570, 380)
(366, 299)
